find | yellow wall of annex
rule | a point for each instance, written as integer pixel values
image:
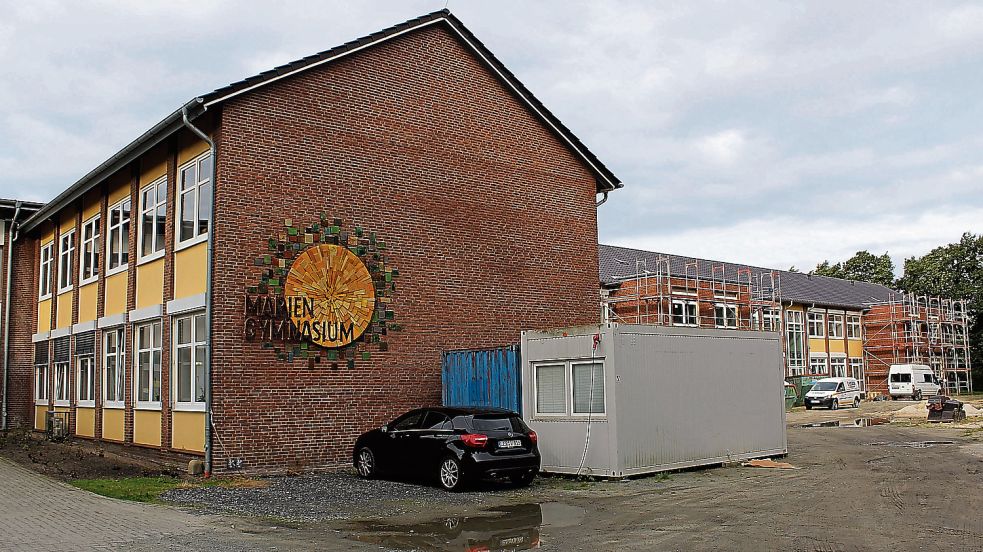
(856, 348)
(93, 205)
(63, 317)
(146, 427)
(188, 431)
(190, 146)
(67, 218)
(116, 294)
(150, 284)
(837, 346)
(189, 271)
(817, 345)
(44, 316)
(113, 423)
(39, 414)
(88, 302)
(85, 421)
(119, 184)
(153, 165)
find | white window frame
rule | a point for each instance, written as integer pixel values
(179, 202)
(45, 282)
(66, 257)
(193, 405)
(41, 383)
(728, 322)
(63, 383)
(90, 248)
(563, 370)
(837, 324)
(795, 329)
(81, 401)
(110, 228)
(858, 364)
(840, 359)
(119, 385)
(854, 327)
(816, 320)
(819, 356)
(686, 316)
(604, 390)
(157, 249)
(139, 348)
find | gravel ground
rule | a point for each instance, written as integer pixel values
(331, 496)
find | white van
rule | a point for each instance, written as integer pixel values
(834, 393)
(912, 380)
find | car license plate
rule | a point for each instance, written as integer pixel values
(512, 443)
(511, 541)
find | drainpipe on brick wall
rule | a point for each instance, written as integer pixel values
(6, 310)
(209, 256)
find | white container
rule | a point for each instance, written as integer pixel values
(664, 398)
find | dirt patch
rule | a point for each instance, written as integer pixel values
(74, 459)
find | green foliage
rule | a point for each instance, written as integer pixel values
(863, 267)
(138, 489)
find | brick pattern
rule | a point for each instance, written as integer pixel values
(23, 323)
(490, 219)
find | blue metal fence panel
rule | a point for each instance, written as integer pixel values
(482, 377)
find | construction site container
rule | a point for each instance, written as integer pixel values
(482, 377)
(619, 400)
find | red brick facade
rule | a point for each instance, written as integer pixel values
(488, 216)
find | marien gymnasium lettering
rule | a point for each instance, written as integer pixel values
(270, 319)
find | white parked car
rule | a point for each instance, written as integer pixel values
(834, 393)
(912, 380)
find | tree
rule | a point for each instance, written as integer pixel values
(954, 271)
(863, 266)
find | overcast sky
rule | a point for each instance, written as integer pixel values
(774, 134)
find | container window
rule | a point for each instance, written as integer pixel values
(550, 390)
(588, 388)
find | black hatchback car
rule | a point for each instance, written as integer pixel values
(454, 445)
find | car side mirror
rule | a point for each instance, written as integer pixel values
(384, 428)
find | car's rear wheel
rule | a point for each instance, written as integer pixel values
(856, 402)
(523, 479)
(365, 463)
(450, 475)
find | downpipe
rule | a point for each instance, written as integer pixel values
(11, 236)
(210, 261)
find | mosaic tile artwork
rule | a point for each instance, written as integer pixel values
(346, 274)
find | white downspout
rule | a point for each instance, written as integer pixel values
(6, 310)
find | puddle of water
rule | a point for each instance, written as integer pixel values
(911, 444)
(513, 527)
(859, 422)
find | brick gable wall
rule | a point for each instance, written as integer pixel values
(489, 218)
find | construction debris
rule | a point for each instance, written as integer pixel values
(766, 463)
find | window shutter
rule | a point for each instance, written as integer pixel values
(41, 353)
(85, 344)
(62, 349)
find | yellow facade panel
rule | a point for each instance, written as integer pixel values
(146, 427)
(63, 317)
(115, 294)
(856, 348)
(817, 345)
(189, 271)
(92, 204)
(44, 316)
(88, 302)
(188, 431)
(85, 421)
(153, 165)
(150, 284)
(113, 424)
(67, 218)
(39, 416)
(119, 187)
(837, 346)
(190, 147)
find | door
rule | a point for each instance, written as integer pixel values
(430, 443)
(398, 441)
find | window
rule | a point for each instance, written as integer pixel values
(89, 267)
(61, 384)
(86, 381)
(836, 326)
(44, 287)
(857, 370)
(113, 370)
(436, 421)
(795, 343)
(408, 421)
(837, 367)
(148, 364)
(901, 378)
(767, 319)
(588, 388)
(685, 313)
(853, 327)
(153, 210)
(818, 364)
(66, 258)
(817, 324)
(194, 203)
(189, 357)
(118, 243)
(725, 315)
(550, 389)
(41, 372)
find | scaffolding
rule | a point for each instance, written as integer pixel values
(920, 329)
